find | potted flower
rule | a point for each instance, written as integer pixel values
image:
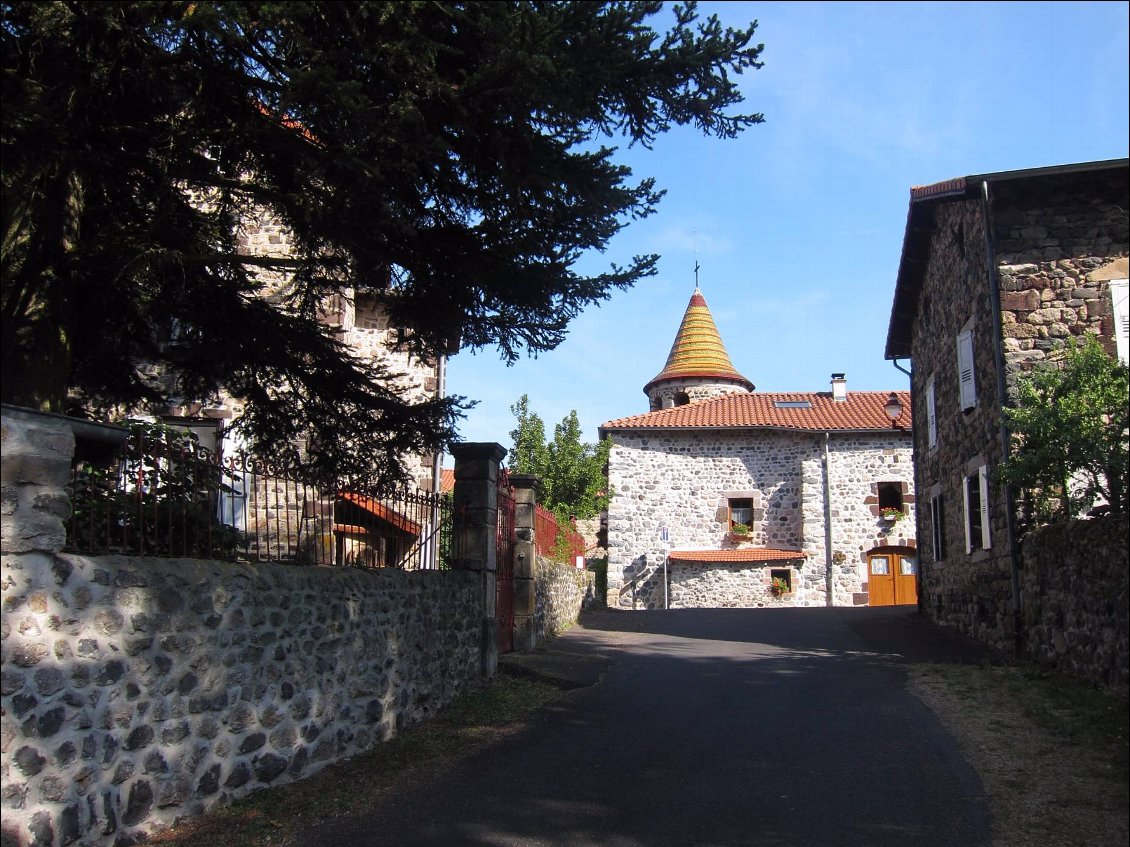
(739, 532)
(778, 586)
(891, 514)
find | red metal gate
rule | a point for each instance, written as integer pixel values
(504, 573)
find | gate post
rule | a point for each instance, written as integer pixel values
(476, 532)
(525, 562)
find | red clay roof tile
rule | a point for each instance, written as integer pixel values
(737, 554)
(862, 410)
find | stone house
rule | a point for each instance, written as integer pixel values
(997, 271)
(727, 497)
(360, 321)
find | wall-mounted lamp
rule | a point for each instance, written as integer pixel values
(893, 408)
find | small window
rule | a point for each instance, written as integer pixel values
(792, 404)
(967, 386)
(976, 495)
(937, 527)
(931, 414)
(682, 399)
(741, 515)
(783, 578)
(890, 496)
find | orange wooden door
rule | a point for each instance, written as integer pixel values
(906, 580)
(881, 579)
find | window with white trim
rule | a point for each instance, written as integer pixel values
(975, 493)
(967, 386)
(1118, 294)
(931, 414)
(937, 526)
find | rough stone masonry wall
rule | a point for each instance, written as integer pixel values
(858, 462)
(682, 480)
(969, 591)
(1051, 236)
(1049, 248)
(561, 592)
(1074, 594)
(139, 691)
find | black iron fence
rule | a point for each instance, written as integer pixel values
(166, 495)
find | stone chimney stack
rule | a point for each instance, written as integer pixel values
(839, 388)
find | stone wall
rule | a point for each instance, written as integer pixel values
(139, 691)
(1053, 238)
(683, 479)
(1074, 595)
(561, 592)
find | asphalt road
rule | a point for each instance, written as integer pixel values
(716, 728)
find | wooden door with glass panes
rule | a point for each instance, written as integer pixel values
(880, 579)
(906, 580)
(891, 578)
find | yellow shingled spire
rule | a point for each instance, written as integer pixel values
(698, 350)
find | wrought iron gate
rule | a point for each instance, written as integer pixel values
(504, 572)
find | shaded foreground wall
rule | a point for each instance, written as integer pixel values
(138, 691)
(1074, 600)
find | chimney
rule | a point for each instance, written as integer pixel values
(839, 388)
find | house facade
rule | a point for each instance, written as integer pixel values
(360, 322)
(997, 272)
(723, 496)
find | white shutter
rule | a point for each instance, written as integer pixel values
(1118, 294)
(965, 514)
(983, 481)
(931, 414)
(967, 386)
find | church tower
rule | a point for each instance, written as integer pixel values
(698, 366)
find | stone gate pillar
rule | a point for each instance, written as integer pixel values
(476, 532)
(525, 562)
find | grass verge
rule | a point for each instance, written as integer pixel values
(275, 816)
(1051, 751)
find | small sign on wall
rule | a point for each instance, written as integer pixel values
(580, 563)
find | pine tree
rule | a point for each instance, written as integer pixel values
(450, 155)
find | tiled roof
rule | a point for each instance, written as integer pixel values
(862, 410)
(446, 480)
(698, 350)
(381, 511)
(737, 554)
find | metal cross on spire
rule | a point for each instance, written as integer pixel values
(696, 265)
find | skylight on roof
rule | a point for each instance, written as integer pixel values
(792, 404)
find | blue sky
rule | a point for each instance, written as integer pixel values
(800, 220)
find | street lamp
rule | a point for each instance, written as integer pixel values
(893, 408)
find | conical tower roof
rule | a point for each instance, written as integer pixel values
(698, 351)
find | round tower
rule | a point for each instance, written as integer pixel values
(698, 366)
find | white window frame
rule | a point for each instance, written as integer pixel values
(982, 475)
(1119, 289)
(937, 526)
(931, 414)
(966, 365)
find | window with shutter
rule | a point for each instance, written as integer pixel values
(975, 492)
(931, 414)
(1118, 295)
(966, 384)
(983, 480)
(937, 527)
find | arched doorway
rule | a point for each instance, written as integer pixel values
(892, 576)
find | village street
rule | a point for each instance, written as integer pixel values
(720, 727)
